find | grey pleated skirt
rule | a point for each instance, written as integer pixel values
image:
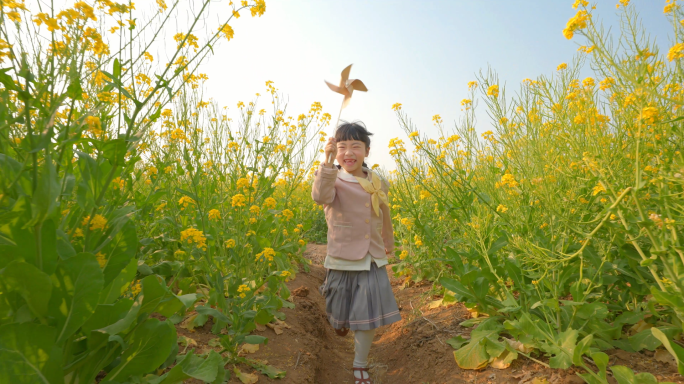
(359, 300)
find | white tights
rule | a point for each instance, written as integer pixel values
(362, 344)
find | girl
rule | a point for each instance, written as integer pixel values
(357, 291)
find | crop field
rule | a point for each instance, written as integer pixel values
(131, 204)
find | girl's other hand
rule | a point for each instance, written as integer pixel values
(330, 150)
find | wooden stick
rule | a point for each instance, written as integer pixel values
(329, 159)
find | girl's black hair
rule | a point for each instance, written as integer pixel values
(355, 130)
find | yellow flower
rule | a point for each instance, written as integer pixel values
(287, 214)
(252, 220)
(192, 235)
(396, 106)
(413, 134)
(77, 233)
(238, 200)
(266, 254)
(577, 3)
(214, 214)
(501, 208)
(598, 189)
(254, 210)
(577, 22)
(179, 254)
(101, 259)
(185, 201)
(493, 90)
(561, 67)
(472, 85)
(302, 242)
(285, 273)
(258, 8)
(98, 222)
(230, 243)
(676, 52)
(242, 183)
(242, 289)
(227, 31)
(270, 203)
(403, 255)
(650, 115)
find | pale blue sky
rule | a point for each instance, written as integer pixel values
(419, 53)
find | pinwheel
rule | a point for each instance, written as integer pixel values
(346, 88)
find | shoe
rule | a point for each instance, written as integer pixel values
(362, 381)
(342, 331)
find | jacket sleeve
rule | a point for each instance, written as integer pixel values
(387, 230)
(323, 190)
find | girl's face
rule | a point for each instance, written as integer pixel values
(350, 155)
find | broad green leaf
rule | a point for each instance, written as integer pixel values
(255, 339)
(28, 354)
(77, 285)
(457, 342)
(563, 355)
(581, 349)
(191, 366)
(675, 349)
(32, 284)
(474, 354)
(157, 298)
(148, 347)
(107, 314)
(118, 286)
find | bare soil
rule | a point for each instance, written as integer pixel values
(413, 350)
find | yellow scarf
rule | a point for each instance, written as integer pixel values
(374, 187)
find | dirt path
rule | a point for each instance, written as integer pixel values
(413, 350)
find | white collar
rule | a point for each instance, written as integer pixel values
(346, 176)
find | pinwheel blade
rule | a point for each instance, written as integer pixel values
(345, 76)
(335, 88)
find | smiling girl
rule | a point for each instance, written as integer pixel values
(357, 291)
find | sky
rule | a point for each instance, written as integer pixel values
(418, 53)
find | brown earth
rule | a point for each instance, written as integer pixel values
(413, 350)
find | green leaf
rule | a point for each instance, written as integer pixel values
(74, 91)
(157, 298)
(498, 244)
(595, 310)
(118, 286)
(192, 366)
(44, 200)
(28, 354)
(202, 310)
(149, 345)
(622, 374)
(474, 354)
(255, 339)
(581, 349)
(457, 342)
(564, 353)
(77, 285)
(675, 349)
(32, 284)
(456, 287)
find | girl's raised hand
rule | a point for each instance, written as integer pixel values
(330, 150)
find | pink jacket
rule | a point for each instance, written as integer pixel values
(354, 229)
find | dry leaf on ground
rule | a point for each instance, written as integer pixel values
(260, 327)
(249, 348)
(186, 341)
(246, 378)
(504, 361)
(518, 346)
(189, 323)
(664, 356)
(435, 304)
